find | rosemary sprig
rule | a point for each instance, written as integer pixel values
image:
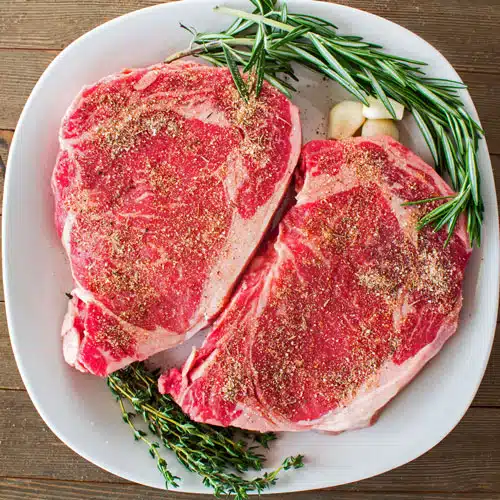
(266, 42)
(211, 452)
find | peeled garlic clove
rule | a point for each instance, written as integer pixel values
(345, 118)
(377, 110)
(373, 128)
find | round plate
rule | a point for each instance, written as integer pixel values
(79, 408)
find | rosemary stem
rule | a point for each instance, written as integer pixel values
(277, 39)
(253, 17)
(192, 51)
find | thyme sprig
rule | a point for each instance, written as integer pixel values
(266, 42)
(214, 453)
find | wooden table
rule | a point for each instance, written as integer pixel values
(35, 464)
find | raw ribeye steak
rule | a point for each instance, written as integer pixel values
(343, 309)
(164, 185)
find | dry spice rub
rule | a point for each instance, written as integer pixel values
(342, 309)
(165, 183)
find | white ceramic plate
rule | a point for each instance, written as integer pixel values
(79, 408)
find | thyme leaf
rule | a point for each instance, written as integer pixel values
(216, 454)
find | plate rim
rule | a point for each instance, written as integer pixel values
(8, 285)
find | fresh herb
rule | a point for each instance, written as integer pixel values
(214, 453)
(267, 41)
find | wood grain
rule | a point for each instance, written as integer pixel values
(22, 489)
(30, 450)
(1, 277)
(50, 24)
(9, 374)
(486, 96)
(5, 140)
(489, 391)
(34, 464)
(7, 135)
(487, 396)
(452, 26)
(20, 70)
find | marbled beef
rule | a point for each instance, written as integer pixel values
(341, 310)
(164, 185)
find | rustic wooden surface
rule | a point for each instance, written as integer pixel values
(34, 464)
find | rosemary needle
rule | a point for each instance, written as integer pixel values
(267, 43)
(270, 39)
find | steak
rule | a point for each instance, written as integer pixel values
(337, 314)
(165, 183)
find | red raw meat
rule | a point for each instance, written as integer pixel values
(165, 183)
(343, 309)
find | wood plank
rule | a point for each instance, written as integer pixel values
(468, 460)
(5, 141)
(485, 92)
(450, 25)
(20, 70)
(9, 374)
(46, 24)
(495, 165)
(30, 449)
(34, 464)
(1, 276)
(7, 135)
(488, 394)
(489, 391)
(22, 489)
